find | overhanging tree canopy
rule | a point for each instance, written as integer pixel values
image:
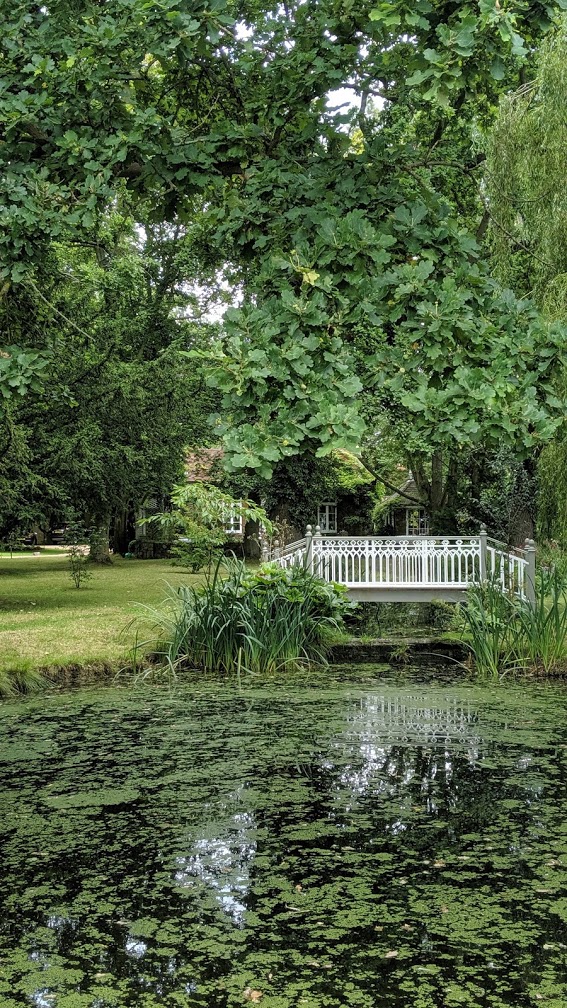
(356, 275)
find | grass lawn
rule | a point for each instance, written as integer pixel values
(45, 621)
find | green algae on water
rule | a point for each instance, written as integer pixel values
(375, 844)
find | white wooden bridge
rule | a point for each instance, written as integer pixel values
(413, 568)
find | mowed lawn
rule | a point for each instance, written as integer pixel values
(45, 621)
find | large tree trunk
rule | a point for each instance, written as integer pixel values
(123, 530)
(99, 551)
(436, 481)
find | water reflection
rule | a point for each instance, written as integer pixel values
(222, 862)
(383, 849)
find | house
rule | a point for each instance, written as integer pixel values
(401, 516)
(204, 465)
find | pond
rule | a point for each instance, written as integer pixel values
(384, 843)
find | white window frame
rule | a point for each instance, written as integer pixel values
(420, 525)
(233, 520)
(324, 511)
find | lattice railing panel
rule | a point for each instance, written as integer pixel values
(402, 561)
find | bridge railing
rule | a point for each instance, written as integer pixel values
(513, 570)
(293, 553)
(428, 562)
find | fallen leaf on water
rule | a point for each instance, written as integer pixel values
(391, 954)
(252, 995)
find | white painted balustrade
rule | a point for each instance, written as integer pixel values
(413, 568)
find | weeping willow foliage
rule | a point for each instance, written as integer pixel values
(527, 201)
(527, 182)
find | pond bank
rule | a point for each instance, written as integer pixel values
(424, 651)
(413, 650)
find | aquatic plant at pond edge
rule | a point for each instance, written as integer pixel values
(544, 624)
(509, 633)
(251, 621)
(20, 681)
(490, 620)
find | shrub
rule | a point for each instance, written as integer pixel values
(198, 548)
(255, 621)
(77, 558)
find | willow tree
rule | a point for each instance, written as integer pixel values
(527, 177)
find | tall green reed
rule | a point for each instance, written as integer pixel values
(490, 620)
(508, 633)
(257, 622)
(544, 624)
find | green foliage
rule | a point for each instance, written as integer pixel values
(77, 558)
(358, 272)
(198, 547)
(508, 633)
(117, 406)
(413, 336)
(254, 622)
(198, 521)
(552, 491)
(526, 177)
(21, 371)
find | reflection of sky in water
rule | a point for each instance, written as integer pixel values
(135, 947)
(222, 862)
(44, 998)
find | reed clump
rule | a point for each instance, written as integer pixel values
(257, 622)
(507, 633)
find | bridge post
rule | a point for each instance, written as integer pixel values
(530, 582)
(308, 559)
(483, 552)
(316, 564)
